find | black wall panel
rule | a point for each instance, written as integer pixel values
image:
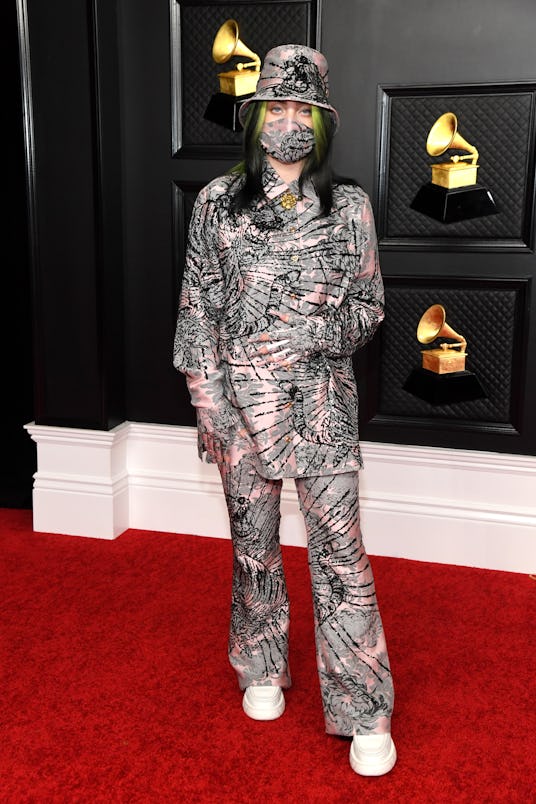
(106, 173)
(168, 79)
(490, 315)
(501, 119)
(415, 44)
(70, 94)
(18, 455)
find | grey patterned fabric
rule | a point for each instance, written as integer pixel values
(275, 300)
(243, 271)
(296, 73)
(353, 664)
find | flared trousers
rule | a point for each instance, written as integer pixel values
(353, 666)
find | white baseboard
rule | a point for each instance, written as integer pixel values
(81, 486)
(425, 503)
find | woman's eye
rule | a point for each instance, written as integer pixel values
(307, 112)
(275, 109)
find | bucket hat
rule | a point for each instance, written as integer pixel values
(294, 73)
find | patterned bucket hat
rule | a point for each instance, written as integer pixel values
(295, 73)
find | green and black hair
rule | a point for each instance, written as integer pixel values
(317, 165)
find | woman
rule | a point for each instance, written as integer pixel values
(282, 285)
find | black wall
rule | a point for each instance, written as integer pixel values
(70, 83)
(109, 194)
(18, 454)
(436, 43)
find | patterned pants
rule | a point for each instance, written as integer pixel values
(353, 666)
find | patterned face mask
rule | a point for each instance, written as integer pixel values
(287, 143)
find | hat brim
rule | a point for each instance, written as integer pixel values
(242, 112)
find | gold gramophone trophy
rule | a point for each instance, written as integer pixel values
(442, 378)
(235, 85)
(453, 193)
(447, 358)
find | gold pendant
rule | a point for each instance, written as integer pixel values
(288, 200)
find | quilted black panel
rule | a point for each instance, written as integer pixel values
(498, 124)
(485, 316)
(261, 26)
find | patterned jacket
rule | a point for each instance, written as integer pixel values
(302, 420)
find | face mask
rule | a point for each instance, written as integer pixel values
(287, 143)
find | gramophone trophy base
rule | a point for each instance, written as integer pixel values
(443, 361)
(454, 174)
(238, 82)
(451, 206)
(444, 389)
(223, 109)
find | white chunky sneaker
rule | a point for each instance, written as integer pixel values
(372, 754)
(263, 703)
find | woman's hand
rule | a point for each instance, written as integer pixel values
(286, 345)
(222, 433)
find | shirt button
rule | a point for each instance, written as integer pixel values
(292, 229)
(288, 438)
(295, 258)
(293, 296)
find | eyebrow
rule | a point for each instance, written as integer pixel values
(281, 102)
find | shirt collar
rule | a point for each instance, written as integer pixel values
(274, 186)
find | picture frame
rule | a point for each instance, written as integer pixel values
(194, 74)
(477, 308)
(500, 121)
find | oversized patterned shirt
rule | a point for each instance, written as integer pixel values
(303, 420)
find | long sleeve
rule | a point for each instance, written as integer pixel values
(294, 276)
(195, 351)
(340, 331)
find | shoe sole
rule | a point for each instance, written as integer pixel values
(368, 769)
(256, 713)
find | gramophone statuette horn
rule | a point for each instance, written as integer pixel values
(444, 135)
(446, 358)
(242, 80)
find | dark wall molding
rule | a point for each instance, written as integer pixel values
(70, 87)
(183, 198)
(501, 120)
(193, 25)
(493, 314)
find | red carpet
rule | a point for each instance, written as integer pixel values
(116, 688)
